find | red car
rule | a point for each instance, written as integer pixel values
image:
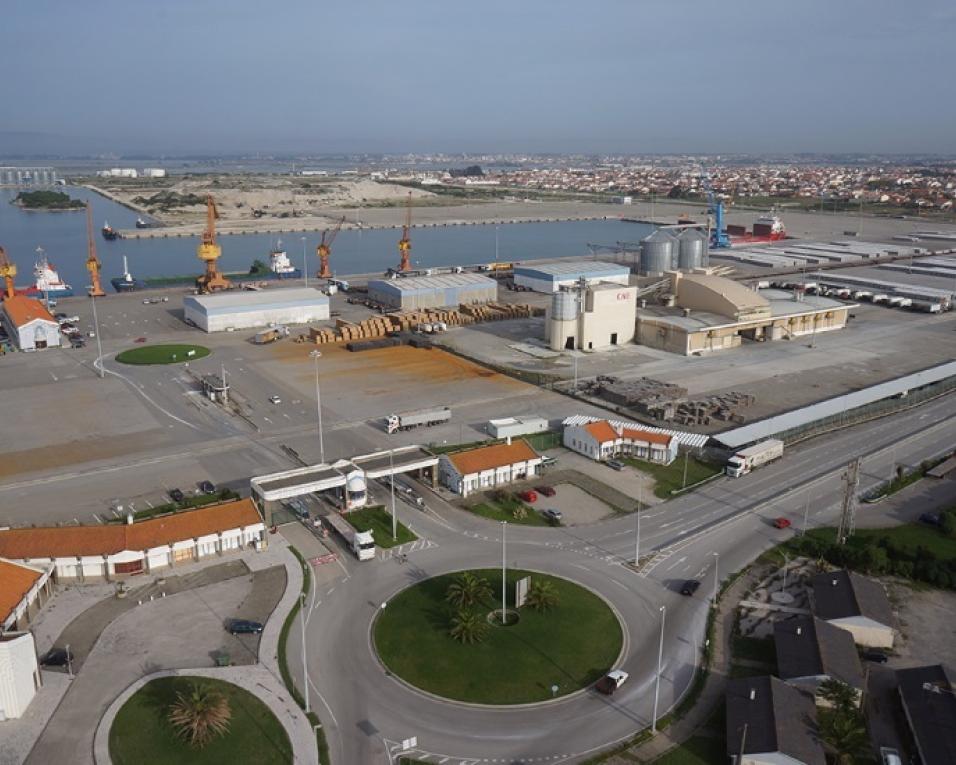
(528, 496)
(782, 523)
(140, 340)
(546, 491)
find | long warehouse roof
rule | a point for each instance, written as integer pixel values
(693, 440)
(412, 284)
(573, 269)
(246, 300)
(772, 426)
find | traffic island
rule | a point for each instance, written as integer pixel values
(162, 354)
(444, 636)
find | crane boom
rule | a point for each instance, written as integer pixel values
(325, 249)
(405, 243)
(92, 262)
(8, 270)
(209, 251)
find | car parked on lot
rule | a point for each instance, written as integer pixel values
(545, 491)
(690, 587)
(611, 681)
(782, 523)
(876, 656)
(244, 627)
(176, 495)
(275, 400)
(57, 657)
(552, 515)
(931, 519)
(615, 464)
(207, 487)
(528, 495)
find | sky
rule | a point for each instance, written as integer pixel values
(525, 76)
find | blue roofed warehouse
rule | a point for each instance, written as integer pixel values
(243, 309)
(550, 277)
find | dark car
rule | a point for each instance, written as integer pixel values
(547, 491)
(177, 495)
(207, 487)
(57, 657)
(877, 657)
(552, 516)
(931, 519)
(690, 587)
(244, 627)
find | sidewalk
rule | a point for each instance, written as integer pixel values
(714, 686)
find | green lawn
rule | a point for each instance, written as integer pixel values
(909, 537)
(699, 750)
(571, 646)
(503, 511)
(141, 733)
(161, 354)
(188, 503)
(377, 520)
(669, 478)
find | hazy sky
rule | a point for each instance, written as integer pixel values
(486, 75)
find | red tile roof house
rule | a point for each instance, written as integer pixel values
(80, 553)
(23, 590)
(601, 440)
(483, 468)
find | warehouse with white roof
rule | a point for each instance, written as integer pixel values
(241, 310)
(550, 277)
(411, 293)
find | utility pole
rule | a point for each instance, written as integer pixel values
(851, 485)
(305, 667)
(660, 659)
(316, 355)
(686, 457)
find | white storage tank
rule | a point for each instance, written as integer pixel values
(691, 248)
(564, 305)
(658, 253)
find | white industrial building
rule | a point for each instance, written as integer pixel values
(412, 293)
(602, 440)
(550, 277)
(29, 324)
(512, 427)
(154, 172)
(595, 317)
(19, 674)
(483, 468)
(245, 309)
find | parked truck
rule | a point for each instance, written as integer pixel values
(417, 419)
(360, 543)
(270, 335)
(754, 456)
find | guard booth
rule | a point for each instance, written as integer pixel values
(344, 482)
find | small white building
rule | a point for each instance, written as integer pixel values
(23, 590)
(82, 553)
(29, 324)
(154, 172)
(857, 604)
(19, 674)
(600, 440)
(512, 427)
(246, 309)
(483, 468)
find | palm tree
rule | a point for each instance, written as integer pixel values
(200, 714)
(468, 627)
(467, 590)
(542, 596)
(839, 695)
(846, 735)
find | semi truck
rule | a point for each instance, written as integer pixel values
(417, 418)
(754, 456)
(360, 543)
(270, 335)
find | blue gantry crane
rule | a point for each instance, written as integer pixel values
(715, 207)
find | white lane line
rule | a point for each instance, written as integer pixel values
(324, 702)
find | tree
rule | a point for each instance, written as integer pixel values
(468, 627)
(845, 734)
(258, 267)
(467, 590)
(838, 694)
(542, 596)
(200, 714)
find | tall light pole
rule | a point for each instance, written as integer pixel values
(305, 263)
(716, 578)
(96, 331)
(316, 355)
(806, 512)
(786, 564)
(305, 667)
(504, 590)
(686, 457)
(391, 467)
(660, 659)
(496, 244)
(637, 541)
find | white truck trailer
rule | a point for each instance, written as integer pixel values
(361, 543)
(417, 419)
(754, 456)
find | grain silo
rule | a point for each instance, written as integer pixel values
(691, 247)
(658, 253)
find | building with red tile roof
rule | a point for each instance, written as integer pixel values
(471, 470)
(23, 589)
(29, 323)
(602, 440)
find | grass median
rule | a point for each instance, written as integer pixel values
(162, 354)
(377, 520)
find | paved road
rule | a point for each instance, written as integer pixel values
(366, 713)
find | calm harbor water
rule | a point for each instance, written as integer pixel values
(62, 235)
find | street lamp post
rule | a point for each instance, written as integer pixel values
(96, 331)
(391, 467)
(637, 541)
(660, 659)
(806, 513)
(786, 564)
(316, 355)
(305, 667)
(504, 602)
(716, 576)
(305, 264)
(496, 244)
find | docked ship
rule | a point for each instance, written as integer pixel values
(108, 231)
(126, 283)
(280, 267)
(140, 223)
(47, 282)
(767, 228)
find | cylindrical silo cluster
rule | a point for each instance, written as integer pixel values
(564, 305)
(692, 246)
(659, 253)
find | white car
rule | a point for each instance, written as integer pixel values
(275, 400)
(612, 681)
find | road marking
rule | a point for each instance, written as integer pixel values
(677, 563)
(621, 584)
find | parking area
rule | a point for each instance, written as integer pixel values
(575, 505)
(637, 486)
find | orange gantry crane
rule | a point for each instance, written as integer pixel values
(92, 262)
(405, 243)
(325, 249)
(209, 251)
(8, 272)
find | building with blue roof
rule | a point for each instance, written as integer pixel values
(245, 309)
(551, 277)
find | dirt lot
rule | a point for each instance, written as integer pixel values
(576, 505)
(927, 627)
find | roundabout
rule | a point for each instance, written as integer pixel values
(563, 639)
(162, 354)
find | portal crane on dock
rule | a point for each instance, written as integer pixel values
(209, 252)
(405, 243)
(715, 207)
(8, 272)
(325, 249)
(93, 264)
